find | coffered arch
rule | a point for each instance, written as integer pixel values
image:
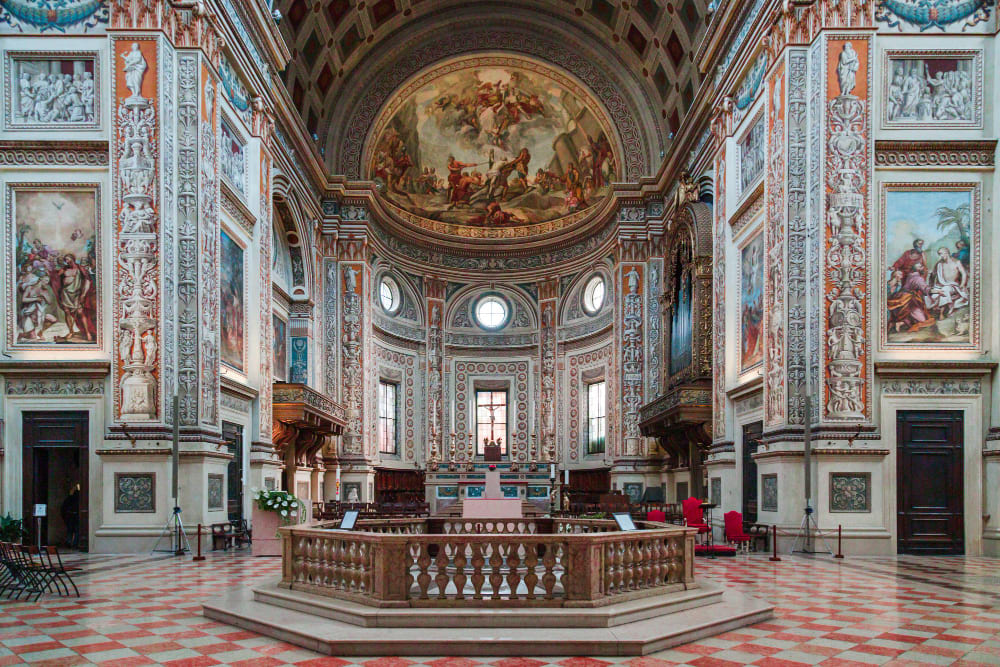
(349, 57)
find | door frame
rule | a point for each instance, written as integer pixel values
(13, 460)
(29, 468)
(971, 407)
(743, 472)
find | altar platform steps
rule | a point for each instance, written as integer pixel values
(635, 627)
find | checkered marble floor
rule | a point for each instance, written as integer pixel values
(872, 611)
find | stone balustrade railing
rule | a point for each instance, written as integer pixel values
(454, 562)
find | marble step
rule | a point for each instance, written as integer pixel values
(477, 617)
(332, 637)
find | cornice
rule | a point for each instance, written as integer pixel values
(923, 367)
(234, 206)
(48, 367)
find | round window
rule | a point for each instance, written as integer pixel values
(388, 294)
(491, 312)
(593, 295)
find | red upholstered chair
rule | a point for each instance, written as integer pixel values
(694, 517)
(656, 515)
(733, 522)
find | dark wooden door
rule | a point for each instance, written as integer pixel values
(43, 432)
(751, 441)
(929, 482)
(233, 435)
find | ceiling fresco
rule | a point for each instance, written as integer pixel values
(493, 142)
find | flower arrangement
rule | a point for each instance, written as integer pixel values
(281, 502)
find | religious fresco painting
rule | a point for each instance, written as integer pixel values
(751, 303)
(930, 261)
(933, 89)
(493, 142)
(752, 154)
(280, 348)
(233, 159)
(53, 259)
(51, 91)
(233, 302)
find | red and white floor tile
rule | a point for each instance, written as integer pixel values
(871, 611)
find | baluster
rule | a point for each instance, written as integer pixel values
(530, 563)
(496, 577)
(408, 560)
(609, 568)
(564, 559)
(628, 560)
(478, 561)
(619, 565)
(366, 567)
(460, 561)
(424, 563)
(441, 564)
(513, 573)
(671, 560)
(549, 578)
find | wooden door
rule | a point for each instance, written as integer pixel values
(751, 441)
(41, 433)
(233, 435)
(929, 482)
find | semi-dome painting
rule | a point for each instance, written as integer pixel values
(493, 142)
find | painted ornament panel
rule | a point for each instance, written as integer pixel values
(52, 91)
(54, 260)
(493, 142)
(54, 16)
(233, 312)
(943, 15)
(930, 243)
(752, 303)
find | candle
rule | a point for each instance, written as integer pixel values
(552, 471)
(566, 477)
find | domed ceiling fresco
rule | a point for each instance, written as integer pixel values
(493, 146)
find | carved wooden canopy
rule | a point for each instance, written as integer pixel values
(303, 419)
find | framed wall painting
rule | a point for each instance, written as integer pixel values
(930, 258)
(54, 281)
(932, 88)
(216, 484)
(280, 348)
(769, 492)
(751, 154)
(52, 90)
(232, 302)
(232, 161)
(752, 303)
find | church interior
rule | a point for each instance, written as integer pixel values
(590, 327)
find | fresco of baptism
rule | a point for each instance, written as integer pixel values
(495, 146)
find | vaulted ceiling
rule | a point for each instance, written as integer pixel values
(349, 55)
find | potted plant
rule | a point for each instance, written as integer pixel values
(11, 529)
(272, 509)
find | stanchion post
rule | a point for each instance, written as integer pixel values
(840, 552)
(199, 557)
(774, 543)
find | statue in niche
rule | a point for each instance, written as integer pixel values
(847, 69)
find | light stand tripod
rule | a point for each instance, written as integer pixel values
(174, 529)
(803, 542)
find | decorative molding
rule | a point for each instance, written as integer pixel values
(775, 307)
(748, 210)
(797, 201)
(53, 386)
(932, 386)
(963, 154)
(54, 153)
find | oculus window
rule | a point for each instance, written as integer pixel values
(596, 417)
(593, 295)
(491, 420)
(387, 410)
(491, 312)
(388, 295)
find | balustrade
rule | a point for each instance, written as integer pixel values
(444, 562)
